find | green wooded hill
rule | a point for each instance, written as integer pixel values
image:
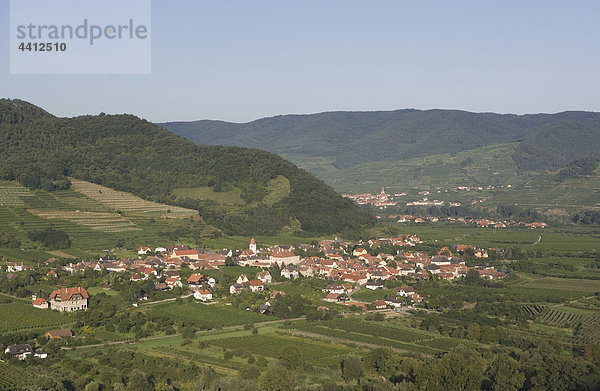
(239, 190)
(337, 145)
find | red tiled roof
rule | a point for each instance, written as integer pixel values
(63, 333)
(181, 253)
(68, 293)
(196, 277)
(283, 254)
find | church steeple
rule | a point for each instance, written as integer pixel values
(252, 246)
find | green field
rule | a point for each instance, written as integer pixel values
(566, 284)
(22, 315)
(317, 352)
(207, 316)
(369, 295)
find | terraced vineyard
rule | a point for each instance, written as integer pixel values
(588, 331)
(107, 222)
(126, 202)
(23, 210)
(12, 194)
(558, 318)
(532, 310)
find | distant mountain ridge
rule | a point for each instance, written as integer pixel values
(240, 190)
(546, 141)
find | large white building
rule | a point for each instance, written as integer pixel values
(69, 299)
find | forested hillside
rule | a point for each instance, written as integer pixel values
(129, 154)
(348, 139)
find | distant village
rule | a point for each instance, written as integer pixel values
(382, 200)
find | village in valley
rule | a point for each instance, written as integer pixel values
(382, 201)
(345, 268)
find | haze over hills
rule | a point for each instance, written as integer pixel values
(238, 190)
(341, 147)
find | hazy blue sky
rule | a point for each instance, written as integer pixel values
(242, 60)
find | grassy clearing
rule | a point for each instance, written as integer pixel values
(277, 188)
(207, 316)
(94, 290)
(298, 288)
(232, 197)
(369, 295)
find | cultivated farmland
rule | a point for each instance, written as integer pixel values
(558, 318)
(567, 284)
(126, 202)
(22, 315)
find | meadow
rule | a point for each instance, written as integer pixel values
(205, 315)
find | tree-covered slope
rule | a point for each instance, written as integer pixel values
(129, 154)
(348, 139)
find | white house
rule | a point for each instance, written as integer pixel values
(265, 277)
(19, 351)
(256, 286)
(288, 272)
(173, 282)
(144, 250)
(235, 289)
(13, 267)
(203, 295)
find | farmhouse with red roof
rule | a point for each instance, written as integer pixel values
(69, 299)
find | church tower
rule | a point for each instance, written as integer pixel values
(252, 246)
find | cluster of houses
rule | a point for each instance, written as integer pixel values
(259, 284)
(485, 223)
(23, 351)
(482, 223)
(341, 262)
(426, 202)
(381, 200)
